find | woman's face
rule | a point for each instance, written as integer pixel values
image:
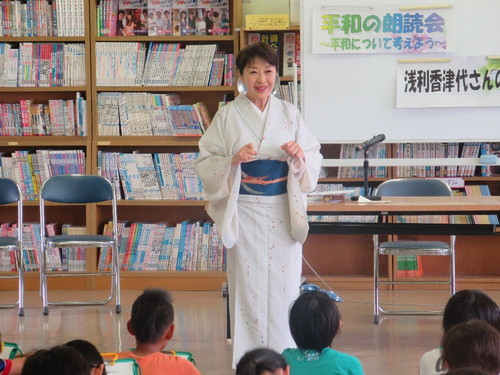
(259, 77)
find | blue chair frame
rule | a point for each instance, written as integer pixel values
(10, 193)
(79, 189)
(416, 188)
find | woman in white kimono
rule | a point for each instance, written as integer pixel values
(257, 162)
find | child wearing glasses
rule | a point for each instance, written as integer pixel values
(314, 322)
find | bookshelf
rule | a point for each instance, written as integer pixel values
(46, 84)
(171, 211)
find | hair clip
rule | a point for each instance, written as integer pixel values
(306, 288)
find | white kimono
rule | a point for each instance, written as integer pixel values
(263, 234)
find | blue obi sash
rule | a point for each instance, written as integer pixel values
(264, 177)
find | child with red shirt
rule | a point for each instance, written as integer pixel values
(151, 323)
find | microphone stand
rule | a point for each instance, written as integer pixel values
(366, 168)
(365, 174)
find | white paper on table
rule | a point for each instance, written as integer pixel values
(362, 199)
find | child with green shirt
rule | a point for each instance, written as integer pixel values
(314, 322)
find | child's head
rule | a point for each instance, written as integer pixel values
(152, 315)
(472, 344)
(91, 355)
(262, 361)
(314, 321)
(468, 304)
(60, 360)
(466, 371)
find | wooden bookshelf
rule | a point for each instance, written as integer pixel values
(171, 211)
(10, 144)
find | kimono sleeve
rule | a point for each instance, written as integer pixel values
(213, 165)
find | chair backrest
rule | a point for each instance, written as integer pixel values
(413, 187)
(9, 191)
(74, 188)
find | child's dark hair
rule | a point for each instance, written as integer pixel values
(470, 304)
(60, 360)
(472, 344)
(89, 352)
(314, 321)
(256, 361)
(152, 314)
(466, 371)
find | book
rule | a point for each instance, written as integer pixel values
(132, 17)
(160, 17)
(184, 14)
(288, 53)
(220, 17)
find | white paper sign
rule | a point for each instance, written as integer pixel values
(461, 82)
(381, 29)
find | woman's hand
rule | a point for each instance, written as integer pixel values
(293, 150)
(247, 153)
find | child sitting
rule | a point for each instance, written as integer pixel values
(262, 361)
(463, 306)
(314, 322)
(472, 344)
(151, 323)
(60, 360)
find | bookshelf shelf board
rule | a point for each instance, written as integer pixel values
(166, 88)
(43, 141)
(394, 162)
(171, 39)
(147, 141)
(286, 79)
(346, 179)
(482, 179)
(43, 39)
(157, 203)
(289, 28)
(183, 274)
(44, 89)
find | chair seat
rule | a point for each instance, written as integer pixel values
(8, 242)
(80, 240)
(414, 248)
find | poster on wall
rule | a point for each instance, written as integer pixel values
(382, 29)
(461, 82)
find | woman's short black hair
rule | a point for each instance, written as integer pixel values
(472, 344)
(256, 361)
(88, 351)
(470, 304)
(314, 321)
(60, 360)
(152, 314)
(256, 50)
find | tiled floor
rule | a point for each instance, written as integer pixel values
(390, 348)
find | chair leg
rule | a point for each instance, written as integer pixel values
(116, 280)
(20, 274)
(452, 267)
(43, 282)
(376, 310)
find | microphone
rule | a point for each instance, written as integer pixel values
(376, 139)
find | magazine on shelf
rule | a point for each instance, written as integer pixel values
(160, 17)
(132, 17)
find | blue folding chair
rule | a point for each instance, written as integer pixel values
(79, 189)
(10, 192)
(416, 188)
